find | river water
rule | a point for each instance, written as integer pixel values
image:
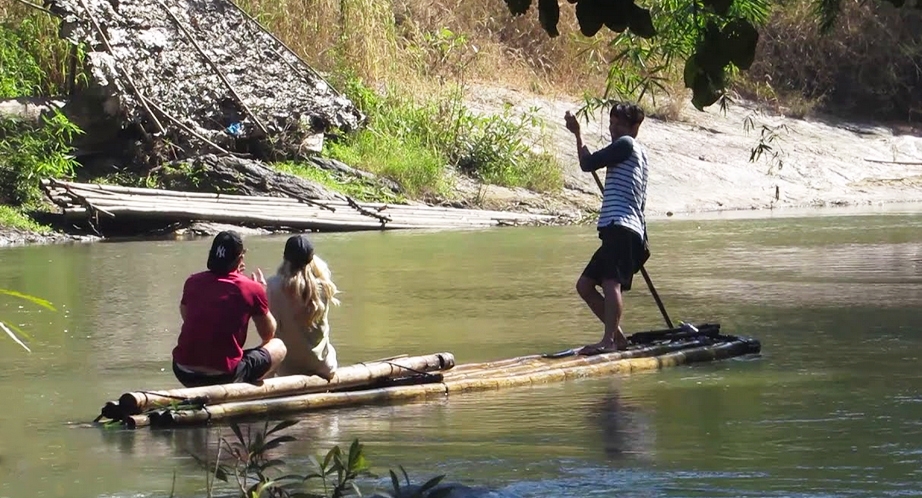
(832, 407)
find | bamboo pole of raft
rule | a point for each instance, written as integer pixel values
(544, 364)
(536, 359)
(134, 403)
(308, 402)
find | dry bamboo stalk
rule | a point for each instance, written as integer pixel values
(118, 67)
(288, 200)
(296, 222)
(136, 421)
(237, 207)
(467, 367)
(278, 211)
(187, 129)
(361, 374)
(214, 67)
(300, 208)
(303, 403)
(37, 7)
(97, 187)
(377, 205)
(112, 199)
(544, 364)
(886, 161)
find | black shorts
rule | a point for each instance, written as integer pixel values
(621, 255)
(254, 364)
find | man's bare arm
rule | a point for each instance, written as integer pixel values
(265, 326)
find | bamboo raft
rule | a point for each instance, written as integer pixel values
(94, 202)
(407, 378)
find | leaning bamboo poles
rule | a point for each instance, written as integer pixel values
(309, 402)
(361, 374)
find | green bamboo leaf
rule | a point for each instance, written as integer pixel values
(32, 299)
(282, 426)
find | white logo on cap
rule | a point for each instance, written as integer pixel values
(220, 252)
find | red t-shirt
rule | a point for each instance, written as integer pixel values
(218, 311)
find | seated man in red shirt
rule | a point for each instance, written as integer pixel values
(216, 309)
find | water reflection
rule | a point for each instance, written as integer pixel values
(626, 429)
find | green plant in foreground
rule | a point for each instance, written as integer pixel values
(12, 330)
(332, 477)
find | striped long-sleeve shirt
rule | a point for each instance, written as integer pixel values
(625, 183)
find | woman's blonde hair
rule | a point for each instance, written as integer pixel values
(312, 284)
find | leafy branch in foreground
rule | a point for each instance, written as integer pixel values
(714, 38)
(333, 476)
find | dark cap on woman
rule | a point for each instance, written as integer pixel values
(299, 251)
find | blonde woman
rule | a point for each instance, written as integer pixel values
(300, 296)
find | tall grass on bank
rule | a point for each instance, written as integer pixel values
(413, 140)
(32, 63)
(868, 66)
(33, 59)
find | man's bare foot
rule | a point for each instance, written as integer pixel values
(602, 347)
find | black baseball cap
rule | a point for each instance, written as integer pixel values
(299, 251)
(225, 249)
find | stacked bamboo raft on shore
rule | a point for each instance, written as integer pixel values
(415, 378)
(90, 201)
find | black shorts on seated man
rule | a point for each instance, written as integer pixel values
(621, 226)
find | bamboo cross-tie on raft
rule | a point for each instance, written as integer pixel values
(416, 377)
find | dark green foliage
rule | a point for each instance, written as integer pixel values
(713, 37)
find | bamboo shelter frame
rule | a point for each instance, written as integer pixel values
(430, 377)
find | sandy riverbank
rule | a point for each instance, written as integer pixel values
(700, 163)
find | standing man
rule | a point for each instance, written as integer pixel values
(216, 308)
(622, 227)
